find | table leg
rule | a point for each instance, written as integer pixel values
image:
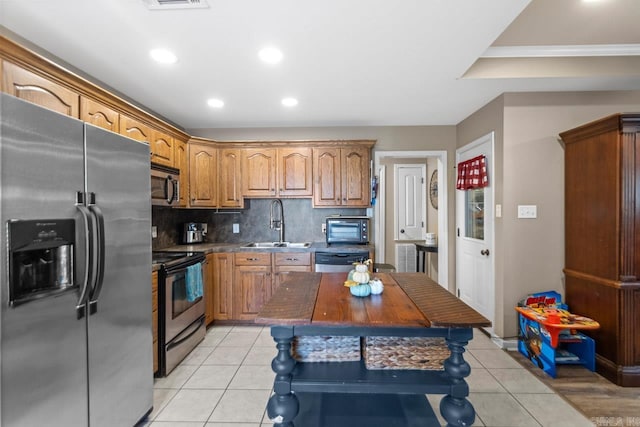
(283, 406)
(454, 407)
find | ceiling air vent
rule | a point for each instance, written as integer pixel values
(175, 4)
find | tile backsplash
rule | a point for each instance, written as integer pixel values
(303, 223)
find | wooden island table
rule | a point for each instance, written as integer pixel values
(336, 394)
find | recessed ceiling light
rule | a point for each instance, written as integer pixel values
(289, 102)
(163, 56)
(215, 103)
(270, 55)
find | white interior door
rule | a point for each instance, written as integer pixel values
(410, 208)
(475, 267)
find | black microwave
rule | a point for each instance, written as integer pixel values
(348, 230)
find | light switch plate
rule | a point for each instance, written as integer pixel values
(236, 228)
(527, 211)
(498, 211)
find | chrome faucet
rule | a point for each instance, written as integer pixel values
(277, 223)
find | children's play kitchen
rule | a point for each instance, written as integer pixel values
(548, 333)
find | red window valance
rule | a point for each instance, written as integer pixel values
(472, 174)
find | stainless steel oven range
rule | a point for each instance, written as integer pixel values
(181, 308)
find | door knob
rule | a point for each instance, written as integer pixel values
(484, 252)
(402, 230)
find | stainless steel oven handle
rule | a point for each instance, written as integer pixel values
(88, 261)
(99, 277)
(190, 331)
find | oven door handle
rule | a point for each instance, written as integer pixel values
(190, 331)
(183, 269)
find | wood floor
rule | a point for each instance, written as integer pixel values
(605, 403)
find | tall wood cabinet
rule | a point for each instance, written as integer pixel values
(602, 239)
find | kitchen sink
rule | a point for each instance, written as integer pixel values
(277, 245)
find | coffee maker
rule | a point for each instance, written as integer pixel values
(194, 232)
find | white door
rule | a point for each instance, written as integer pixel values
(475, 276)
(410, 208)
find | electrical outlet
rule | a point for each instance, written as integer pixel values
(527, 211)
(324, 228)
(236, 228)
(154, 231)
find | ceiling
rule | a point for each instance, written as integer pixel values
(349, 63)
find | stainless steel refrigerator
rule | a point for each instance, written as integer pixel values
(75, 325)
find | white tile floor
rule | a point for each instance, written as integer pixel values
(226, 382)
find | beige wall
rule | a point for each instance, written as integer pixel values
(530, 170)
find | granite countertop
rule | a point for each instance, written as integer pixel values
(237, 247)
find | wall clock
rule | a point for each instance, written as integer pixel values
(433, 189)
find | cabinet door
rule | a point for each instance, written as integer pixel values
(221, 269)
(99, 115)
(154, 318)
(251, 283)
(259, 172)
(252, 289)
(280, 274)
(326, 186)
(181, 161)
(229, 187)
(209, 291)
(355, 177)
(287, 262)
(31, 87)
(134, 129)
(294, 171)
(203, 174)
(161, 147)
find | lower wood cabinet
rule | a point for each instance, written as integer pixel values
(287, 262)
(221, 274)
(242, 282)
(154, 318)
(251, 284)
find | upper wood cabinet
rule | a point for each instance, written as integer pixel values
(203, 175)
(31, 87)
(295, 171)
(259, 172)
(99, 115)
(277, 172)
(341, 176)
(134, 129)
(181, 161)
(229, 179)
(161, 147)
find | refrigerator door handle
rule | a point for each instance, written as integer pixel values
(88, 238)
(99, 267)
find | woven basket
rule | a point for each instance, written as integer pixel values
(326, 349)
(405, 353)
